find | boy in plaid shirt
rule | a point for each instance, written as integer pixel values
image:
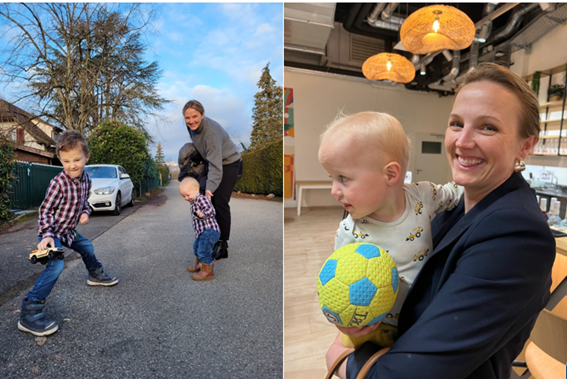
(65, 205)
(207, 231)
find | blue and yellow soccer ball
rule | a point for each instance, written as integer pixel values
(357, 285)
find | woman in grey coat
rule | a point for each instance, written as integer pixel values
(225, 165)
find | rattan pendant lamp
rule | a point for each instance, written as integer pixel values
(437, 27)
(388, 66)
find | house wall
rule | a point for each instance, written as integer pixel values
(319, 98)
(29, 140)
(32, 158)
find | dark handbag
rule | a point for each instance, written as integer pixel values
(240, 170)
(192, 164)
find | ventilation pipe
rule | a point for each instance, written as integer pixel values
(513, 23)
(373, 16)
(473, 62)
(389, 11)
(447, 83)
(386, 21)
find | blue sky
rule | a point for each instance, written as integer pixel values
(214, 53)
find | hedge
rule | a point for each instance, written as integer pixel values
(263, 171)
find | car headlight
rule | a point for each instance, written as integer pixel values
(104, 191)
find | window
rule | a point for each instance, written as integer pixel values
(428, 147)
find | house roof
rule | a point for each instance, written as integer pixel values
(11, 113)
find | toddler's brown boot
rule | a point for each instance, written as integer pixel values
(196, 267)
(206, 272)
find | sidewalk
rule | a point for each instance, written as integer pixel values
(157, 322)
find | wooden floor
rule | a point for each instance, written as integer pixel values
(309, 240)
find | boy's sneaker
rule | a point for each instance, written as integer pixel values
(32, 319)
(98, 277)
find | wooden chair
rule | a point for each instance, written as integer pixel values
(546, 354)
(558, 274)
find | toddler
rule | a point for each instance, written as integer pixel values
(366, 155)
(207, 231)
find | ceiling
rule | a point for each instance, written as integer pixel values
(339, 37)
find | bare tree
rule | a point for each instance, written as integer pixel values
(83, 62)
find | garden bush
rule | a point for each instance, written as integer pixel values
(263, 171)
(114, 142)
(7, 166)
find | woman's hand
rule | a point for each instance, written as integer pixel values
(358, 331)
(335, 350)
(209, 194)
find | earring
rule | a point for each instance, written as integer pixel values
(520, 165)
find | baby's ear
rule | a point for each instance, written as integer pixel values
(393, 173)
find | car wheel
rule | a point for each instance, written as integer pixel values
(131, 203)
(118, 204)
(33, 259)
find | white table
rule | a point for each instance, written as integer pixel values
(303, 185)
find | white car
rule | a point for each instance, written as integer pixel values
(112, 187)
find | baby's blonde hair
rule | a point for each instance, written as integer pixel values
(189, 182)
(375, 131)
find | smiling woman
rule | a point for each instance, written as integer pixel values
(224, 166)
(494, 251)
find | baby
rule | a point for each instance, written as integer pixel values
(366, 155)
(207, 231)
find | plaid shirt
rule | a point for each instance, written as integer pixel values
(65, 201)
(203, 204)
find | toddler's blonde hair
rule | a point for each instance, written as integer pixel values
(373, 132)
(189, 182)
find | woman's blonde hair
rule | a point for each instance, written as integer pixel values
(529, 104)
(373, 132)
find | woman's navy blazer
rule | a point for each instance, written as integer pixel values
(476, 299)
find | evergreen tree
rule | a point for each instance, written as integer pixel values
(268, 112)
(160, 158)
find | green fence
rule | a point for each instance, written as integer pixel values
(147, 185)
(32, 180)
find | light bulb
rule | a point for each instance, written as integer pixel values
(389, 65)
(436, 25)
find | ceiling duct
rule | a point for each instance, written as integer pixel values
(307, 27)
(389, 11)
(373, 15)
(539, 26)
(513, 24)
(387, 20)
(447, 83)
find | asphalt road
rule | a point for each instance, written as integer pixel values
(157, 322)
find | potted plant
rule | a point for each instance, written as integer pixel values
(555, 92)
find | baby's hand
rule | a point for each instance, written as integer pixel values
(84, 219)
(200, 214)
(358, 331)
(44, 243)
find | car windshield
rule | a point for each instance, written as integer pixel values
(99, 172)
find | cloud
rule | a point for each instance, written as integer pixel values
(232, 112)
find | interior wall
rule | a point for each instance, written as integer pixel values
(545, 54)
(319, 98)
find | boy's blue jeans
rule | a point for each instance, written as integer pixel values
(53, 268)
(203, 245)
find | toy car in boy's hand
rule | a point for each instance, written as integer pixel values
(43, 255)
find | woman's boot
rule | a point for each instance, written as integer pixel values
(222, 252)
